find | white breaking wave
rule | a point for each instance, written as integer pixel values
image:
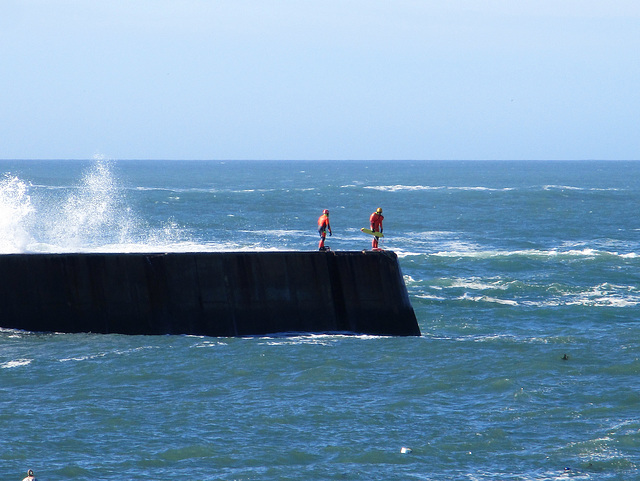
(404, 188)
(116, 352)
(480, 284)
(606, 295)
(532, 253)
(15, 363)
(399, 188)
(601, 295)
(281, 232)
(313, 339)
(489, 299)
(203, 190)
(586, 189)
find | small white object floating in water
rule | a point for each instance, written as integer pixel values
(404, 450)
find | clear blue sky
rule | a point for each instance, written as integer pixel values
(298, 79)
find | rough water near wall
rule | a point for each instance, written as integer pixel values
(523, 276)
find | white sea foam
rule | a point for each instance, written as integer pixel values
(488, 299)
(202, 190)
(561, 187)
(100, 355)
(280, 232)
(430, 297)
(602, 295)
(479, 188)
(206, 343)
(401, 253)
(287, 339)
(83, 358)
(588, 189)
(400, 188)
(479, 253)
(479, 284)
(606, 295)
(15, 363)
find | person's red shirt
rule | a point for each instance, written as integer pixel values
(323, 222)
(376, 222)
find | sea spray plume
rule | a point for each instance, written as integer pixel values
(95, 214)
(15, 213)
(96, 217)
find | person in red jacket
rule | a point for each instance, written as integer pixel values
(376, 225)
(323, 226)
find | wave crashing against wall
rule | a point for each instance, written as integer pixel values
(92, 215)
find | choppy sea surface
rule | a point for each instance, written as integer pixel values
(524, 276)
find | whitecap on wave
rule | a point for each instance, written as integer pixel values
(15, 363)
(588, 189)
(532, 295)
(401, 188)
(480, 253)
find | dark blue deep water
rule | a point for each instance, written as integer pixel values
(510, 267)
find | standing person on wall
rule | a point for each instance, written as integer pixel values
(376, 226)
(323, 226)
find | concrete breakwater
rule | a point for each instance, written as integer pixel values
(206, 293)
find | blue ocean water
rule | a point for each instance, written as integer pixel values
(525, 281)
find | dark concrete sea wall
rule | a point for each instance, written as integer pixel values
(210, 293)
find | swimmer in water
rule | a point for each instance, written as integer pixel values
(30, 476)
